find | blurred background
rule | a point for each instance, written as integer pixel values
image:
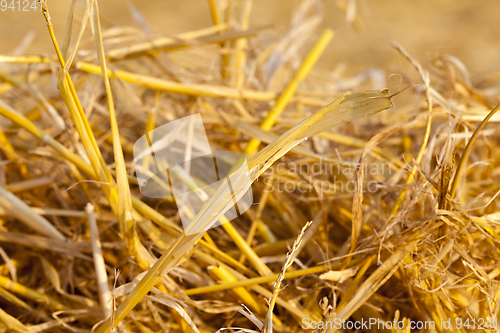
(467, 29)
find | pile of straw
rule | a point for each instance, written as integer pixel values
(392, 217)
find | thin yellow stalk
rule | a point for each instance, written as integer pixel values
(191, 89)
(250, 237)
(25, 59)
(13, 323)
(150, 125)
(71, 100)
(354, 284)
(4, 87)
(29, 293)
(245, 248)
(290, 257)
(238, 71)
(6, 147)
(293, 307)
(69, 249)
(221, 274)
(10, 152)
(439, 257)
(214, 12)
(259, 280)
(291, 88)
(465, 155)
(125, 217)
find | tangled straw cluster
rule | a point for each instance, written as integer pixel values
(82, 250)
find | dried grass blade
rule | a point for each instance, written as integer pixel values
(290, 257)
(465, 155)
(18, 209)
(191, 89)
(127, 222)
(162, 42)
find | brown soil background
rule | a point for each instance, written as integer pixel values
(467, 29)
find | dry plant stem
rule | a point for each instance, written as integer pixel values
(72, 102)
(25, 59)
(119, 204)
(250, 237)
(293, 307)
(256, 220)
(465, 155)
(18, 209)
(191, 89)
(34, 295)
(7, 148)
(449, 273)
(239, 61)
(413, 173)
(226, 58)
(245, 248)
(223, 275)
(214, 12)
(99, 265)
(127, 222)
(259, 280)
(292, 87)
